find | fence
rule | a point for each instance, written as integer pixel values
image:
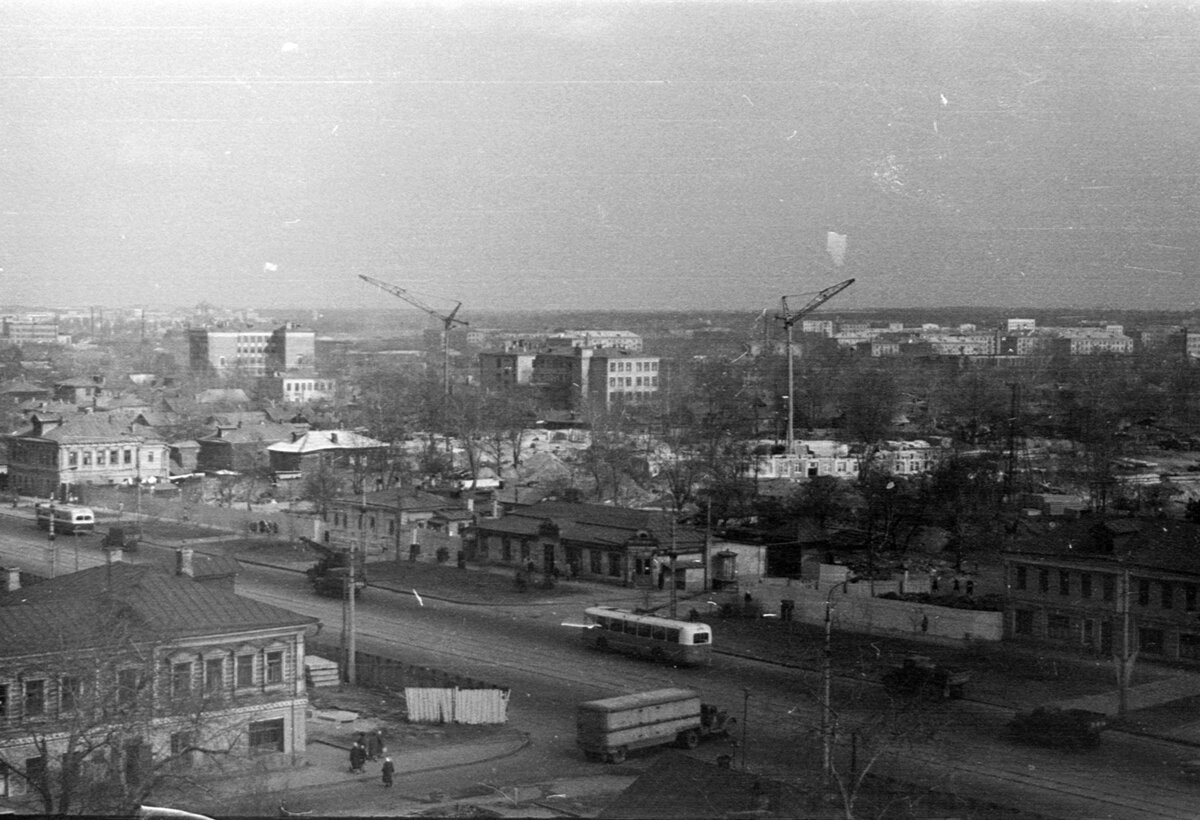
(431, 695)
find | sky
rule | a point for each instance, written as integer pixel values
(600, 155)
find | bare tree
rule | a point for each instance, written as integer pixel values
(99, 719)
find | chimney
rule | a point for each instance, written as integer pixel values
(13, 581)
(183, 562)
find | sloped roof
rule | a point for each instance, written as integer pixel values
(1164, 544)
(410, 500)
(84, 427)
(267, 433)
(218, 394)
(597, 524)
(76, 610)
(314, 441)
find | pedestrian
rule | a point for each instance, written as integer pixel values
(375, 745)
(358, 758)
(389, 770)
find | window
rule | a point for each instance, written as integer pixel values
(181, 679)
(596, 562)
(87, 458)
(614, 564)
(1166, 595)
(506, 553)
(1110, 587)
(1189, 646)
(245, 670)
(72, 459)
(1023, 622)
(1085, 584)
(149, 457)
(214, 675)
(1150, 641)
(1058, 627)
(1064, 582)
(114, 456)
(1044, 580)
(127, 457)
(1143, 593)
(100, 458)
(3, 700)
(68, 693)
(127, 686)
(267, 736)
(35, 697)
(274, 667)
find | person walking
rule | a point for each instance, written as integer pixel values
(388, 772)
(358, 757)
(375, 745)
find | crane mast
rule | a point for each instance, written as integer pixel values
(789, 319)
(448, 320)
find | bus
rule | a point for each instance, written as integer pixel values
(68, 518)
(686, 643)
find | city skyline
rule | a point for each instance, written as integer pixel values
(603, 156)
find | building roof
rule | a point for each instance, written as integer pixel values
(85, 427)
(315, 441)
(1158, 544)
(597, 524)
(78, 610)
(410, 500)
(250, 433)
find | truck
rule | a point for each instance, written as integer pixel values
(1065, 728)
(920, 677)
(331, 573)
(610, 728)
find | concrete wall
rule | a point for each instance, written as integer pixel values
(854, 610)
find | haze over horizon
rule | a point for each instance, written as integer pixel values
(600, 156)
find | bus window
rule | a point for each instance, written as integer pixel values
(673, 635)
(643, 630)
(659, 633)
(700, 637)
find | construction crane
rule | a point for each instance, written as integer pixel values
(789, 319)
(448, 320)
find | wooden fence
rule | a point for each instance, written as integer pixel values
(431, 695)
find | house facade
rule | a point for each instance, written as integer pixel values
(120, 673)
(58, 452)
(597, 542)
(377, 521)
(1087, 584)
(240, 448)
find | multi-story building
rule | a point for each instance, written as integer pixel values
(298, 388)
(80, 391)
(241, 448)
(1088, 583)
(120, 672)
(31, 329)
(376, 521)
(597, 377)
(602, 339)
(251, 352)
(505, 368)
(58, 452)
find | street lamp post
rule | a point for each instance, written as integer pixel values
(827, 728)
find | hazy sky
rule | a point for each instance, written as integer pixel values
(600, 155)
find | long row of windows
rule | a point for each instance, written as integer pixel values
(36, 697)
(635, 366)
(105, 456)
(633, 381)
(1164, 594)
